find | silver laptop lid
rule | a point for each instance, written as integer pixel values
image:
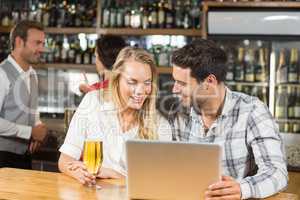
(171, 170)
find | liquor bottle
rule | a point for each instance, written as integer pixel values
(265, 96)
(282, 69)
(113, 14)
(120, 14)
(161, 14)
(239, 66)
(163, 57)
(145, 15)
(51, 46)
(46, 15)
(136, 16)
(170, 15)
(186, 15)
(230, 66)
(281, 103)
(61, 15)
(293, 66)
(39, 13)
(106, 14)
(57, 52)
(291, 102)
(127, 15)
(297, 104)
(286, 127)
(296, 127)
(179, 14)
(153, 19)
(260, 70)
(195, 14)
(249, 66)
(78, 53)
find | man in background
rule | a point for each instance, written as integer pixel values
(21, 132)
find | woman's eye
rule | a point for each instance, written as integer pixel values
(131, 82)
(148, 83)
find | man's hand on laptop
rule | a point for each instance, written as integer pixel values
(226, 189)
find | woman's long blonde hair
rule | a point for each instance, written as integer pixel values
(146, 116)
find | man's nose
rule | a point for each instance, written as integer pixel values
(176, 88)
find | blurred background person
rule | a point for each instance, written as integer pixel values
(107, 50)
(21, 131)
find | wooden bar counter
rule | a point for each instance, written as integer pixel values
(16, 184)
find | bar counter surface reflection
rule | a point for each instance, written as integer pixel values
(17, 184)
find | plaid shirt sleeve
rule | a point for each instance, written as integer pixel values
(268, 150)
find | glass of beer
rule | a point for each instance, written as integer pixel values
(93, 155)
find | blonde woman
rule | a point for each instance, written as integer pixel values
(125, 111)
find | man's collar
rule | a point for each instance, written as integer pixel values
(16, 65)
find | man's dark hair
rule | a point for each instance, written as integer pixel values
(203, 57)
(21, 30)
(108, 48)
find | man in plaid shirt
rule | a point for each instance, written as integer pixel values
(254, 164)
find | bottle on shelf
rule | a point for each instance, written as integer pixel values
(161, 14)
(106, 14)
(179, 14)
(239, 66)
(195, 14)
(186, 15)
(281, 110)
(230, 66)
(293, 66)
(113, 14)
(261, 67)
(136, 16)
(145, 14)
(291, 102)
(249, 66)
(282, 69)
(120, 14)
(127, 14)
(297, 104)
(170, 15)
(153, 18)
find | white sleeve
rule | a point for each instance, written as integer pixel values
(82, 123)
(164, 129)
(7, 128)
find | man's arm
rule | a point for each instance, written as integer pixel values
(268, 149)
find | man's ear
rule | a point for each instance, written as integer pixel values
(19, 42)
(211, 79)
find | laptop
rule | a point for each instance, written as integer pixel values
(171, 170)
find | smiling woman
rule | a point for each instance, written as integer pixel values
(126, 110)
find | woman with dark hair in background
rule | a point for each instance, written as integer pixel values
(107, 50)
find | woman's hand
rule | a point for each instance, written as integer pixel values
(109, 173)
(80, 172)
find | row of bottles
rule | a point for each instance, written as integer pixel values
(51, 13)
(248, 65)
(162, 54)
(289, 127)
(151, 13)
(287, 102)
(258, 91)
(62, 49)
(288, 70)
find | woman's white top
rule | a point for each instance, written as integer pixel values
(95, 119)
